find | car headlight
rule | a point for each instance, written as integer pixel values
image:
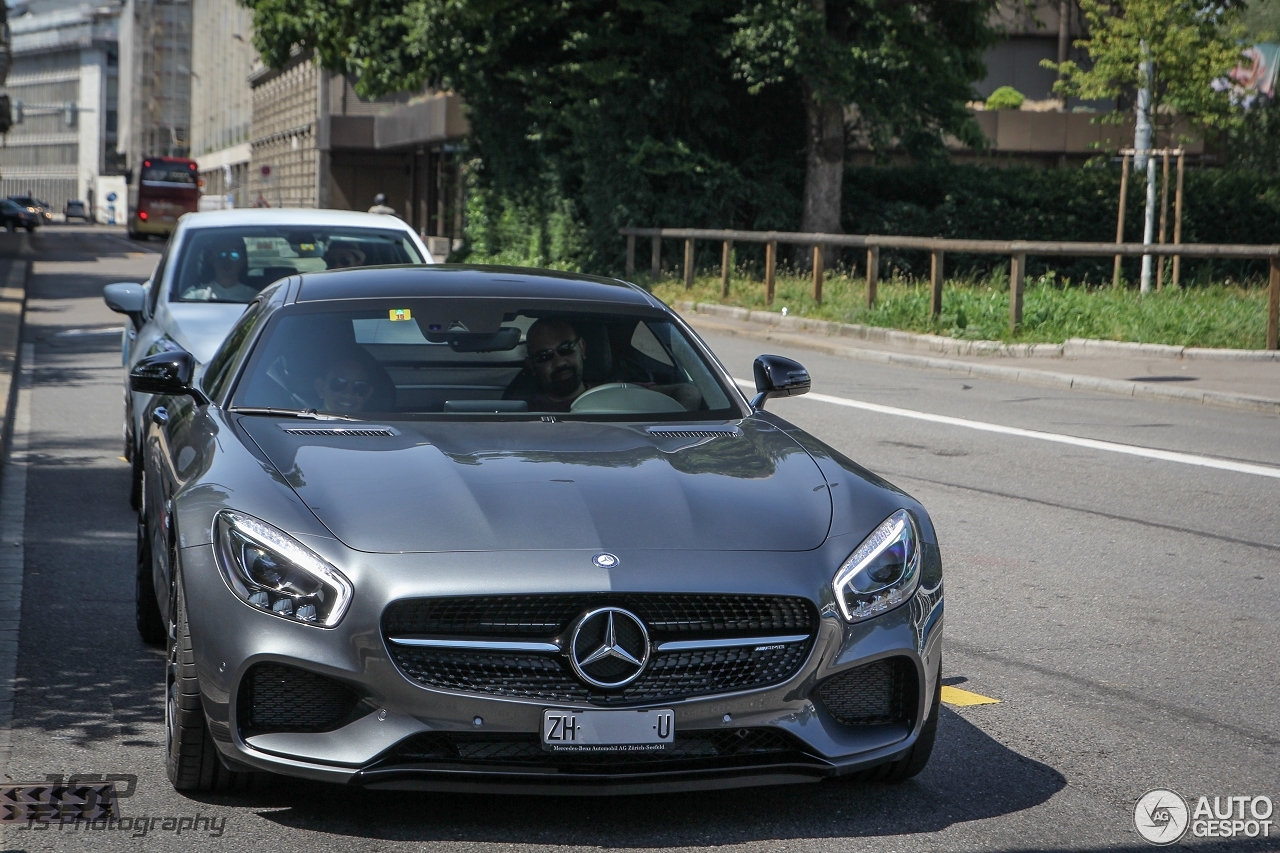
(882, 572)
(270, 570)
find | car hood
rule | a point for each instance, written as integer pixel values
(468, 486)
(200, 327)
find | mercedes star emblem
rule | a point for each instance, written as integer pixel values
(605, 560)
(609, 648)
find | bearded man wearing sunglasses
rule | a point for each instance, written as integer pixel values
(555, 359)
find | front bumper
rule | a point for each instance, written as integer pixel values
(374, 749)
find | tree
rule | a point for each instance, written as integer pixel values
(895, 72)
(594, 113)
(1174, 55)
(1190, 44)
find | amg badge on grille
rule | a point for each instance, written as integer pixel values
(610, 647)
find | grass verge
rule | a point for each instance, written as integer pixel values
(1219, 315)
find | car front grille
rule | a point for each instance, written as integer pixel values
(278, 698)
(882, 692)
(669, 675)
(524, 749)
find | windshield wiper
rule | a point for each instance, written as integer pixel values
(311, 414)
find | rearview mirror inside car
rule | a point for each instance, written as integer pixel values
(126, 298)
(168, 374)
(778, 377)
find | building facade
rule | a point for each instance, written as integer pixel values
(63, 86)
(316, 143)
(155, 79)
(222, 58)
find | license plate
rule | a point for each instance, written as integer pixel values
(608, 731)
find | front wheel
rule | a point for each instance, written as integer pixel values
(146, 607)
(191, 757)
(31, 229)
(915, 760)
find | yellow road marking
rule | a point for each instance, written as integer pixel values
(122, 459)
(961, 698)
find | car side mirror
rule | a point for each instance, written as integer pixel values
(168, 374)
(126, 298)
(778, 377)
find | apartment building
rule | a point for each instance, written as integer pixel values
(155, 79)
(316, 143)
(63, 86)
(222, 58)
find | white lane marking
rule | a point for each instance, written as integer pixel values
(13, 512)
(1076, 441)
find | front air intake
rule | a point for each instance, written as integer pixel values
(883, 692)
(278, 698)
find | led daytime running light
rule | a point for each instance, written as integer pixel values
(861, 596)
(235, 532)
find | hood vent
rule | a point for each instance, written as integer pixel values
(343, 432)
(700, 432)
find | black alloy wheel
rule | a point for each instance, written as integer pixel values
(191, 757)
(917, 757)
(147, 616)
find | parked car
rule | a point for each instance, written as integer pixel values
(34, 205)
(467, 528)
(76, 209)
(216, 263)
(16, 216)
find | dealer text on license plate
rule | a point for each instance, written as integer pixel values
(607, 731)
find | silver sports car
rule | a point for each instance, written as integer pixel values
(504, 529)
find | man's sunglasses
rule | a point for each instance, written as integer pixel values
(565, 348)
(228, 256)
(360, 388)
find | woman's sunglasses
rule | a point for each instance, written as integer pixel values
(565, 348)
(339, 385)
(228, 256)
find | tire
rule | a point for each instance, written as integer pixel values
(914, 761)
(31, 229)
(135, 484)
(191, 757)
(150, 623)
(10, 227)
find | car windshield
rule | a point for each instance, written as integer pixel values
(234, 264)
(482, 358)
(169, 173)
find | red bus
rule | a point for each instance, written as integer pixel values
(161, 191)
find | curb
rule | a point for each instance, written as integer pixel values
(13, 302)
(1072, 347)
(1043, 378)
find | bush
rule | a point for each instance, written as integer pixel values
(1220, 206)
(1005, 98)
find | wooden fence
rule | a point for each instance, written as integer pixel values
(1017, 250)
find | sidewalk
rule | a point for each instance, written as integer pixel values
(1231, 379)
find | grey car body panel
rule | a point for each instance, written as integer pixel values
(365, 504)
(530, 485)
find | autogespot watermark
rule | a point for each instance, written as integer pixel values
(90, 803)
(1164, 817)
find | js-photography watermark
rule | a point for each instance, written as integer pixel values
(90, 803)
(1164, 817)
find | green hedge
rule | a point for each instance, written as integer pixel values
(1220, 206)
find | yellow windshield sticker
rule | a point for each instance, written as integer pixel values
(400, 314)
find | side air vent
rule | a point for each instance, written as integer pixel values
(342, 432)
(713, 432)
(873, 694)
(278, 698)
